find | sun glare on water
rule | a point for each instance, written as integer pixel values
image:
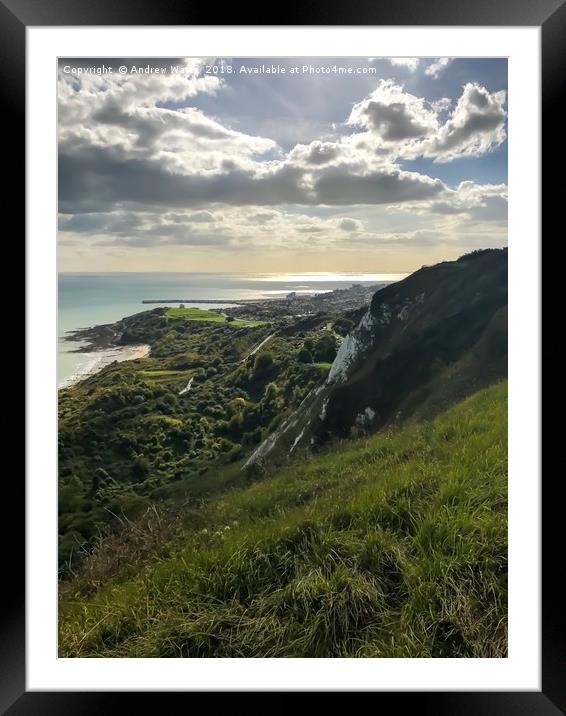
(331, 277)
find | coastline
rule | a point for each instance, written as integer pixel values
(98, 359)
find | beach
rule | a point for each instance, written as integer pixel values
(95, 361)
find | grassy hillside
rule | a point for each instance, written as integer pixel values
(135, 432)
(392, 546)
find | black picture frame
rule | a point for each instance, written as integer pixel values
(15, 17)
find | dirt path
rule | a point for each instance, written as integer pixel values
(187, 387)
(260, 345)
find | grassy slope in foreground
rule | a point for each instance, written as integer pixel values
(394, 546)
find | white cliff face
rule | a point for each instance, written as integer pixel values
(297, 440)
(344, 358)
(314, 406)
(262, 452)
(351, 347)
(356, 341)
(265, 448)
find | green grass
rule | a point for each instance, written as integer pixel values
(165, 377)
(323, 365)
(392, 546)
(195, 314)
(161, 373)
(201, 314)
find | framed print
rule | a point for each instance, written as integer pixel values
(283, 337)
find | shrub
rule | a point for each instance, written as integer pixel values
(271, 391)
(325, 349)
(140, 468)
(263, 364)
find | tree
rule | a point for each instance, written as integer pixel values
(304, 356)
(235, 424)
(297, 394)
(199, 375)
(237, 405)
(263, 364)
(325, 348)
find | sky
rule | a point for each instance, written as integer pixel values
(369, 165)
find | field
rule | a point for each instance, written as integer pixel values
(201, 314)
(390, 546)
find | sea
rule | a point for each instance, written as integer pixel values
(90, 299)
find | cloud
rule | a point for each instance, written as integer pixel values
(478, 202)
(183, 140)
(493, 208)
(476, 125)
(126, 114)
(393, 114)
(200, 217)
(310, 229)
(347, 224)
(84, 95)
(149, 240)
(441, 105)
(125, 228)
(99, 222)
(338, 186)
(436, 68)
(163, 234)
(411, 63)
(98, 180)
(316, 153)
(140, 168)
(407, 127)
(262, 217)
(482, 202)
(130, 152)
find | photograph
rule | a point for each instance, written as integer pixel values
(282, 357)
